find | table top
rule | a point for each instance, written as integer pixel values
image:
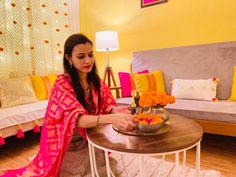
(182, 133)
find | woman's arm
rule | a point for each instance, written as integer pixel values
(120, 121)
(121, 109)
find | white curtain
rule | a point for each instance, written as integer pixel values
(32, 35)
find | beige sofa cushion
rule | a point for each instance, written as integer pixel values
(200, 89)
(16, 91)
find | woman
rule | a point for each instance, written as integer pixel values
(79, 100)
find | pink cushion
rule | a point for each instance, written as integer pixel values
(125, 83)
(144, 71)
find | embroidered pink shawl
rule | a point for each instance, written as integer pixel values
(59, 123)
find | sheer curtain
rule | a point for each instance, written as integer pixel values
(32, 35)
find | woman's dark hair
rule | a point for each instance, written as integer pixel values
(92, 77)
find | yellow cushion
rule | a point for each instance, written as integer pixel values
(39, 87)
(43, 85)
(233, 92)
(52, 78)
(153, 81)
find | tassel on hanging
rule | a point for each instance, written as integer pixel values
(2, 141)
(215, 79)
(214, 99)
(36, 127)
(20, 133)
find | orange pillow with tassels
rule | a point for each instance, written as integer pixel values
(43, 85)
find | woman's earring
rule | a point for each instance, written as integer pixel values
(70, 63)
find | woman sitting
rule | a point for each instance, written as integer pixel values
(79, 100)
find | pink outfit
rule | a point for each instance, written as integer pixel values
(59, 123)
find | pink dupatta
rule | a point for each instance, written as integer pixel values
(59, 123)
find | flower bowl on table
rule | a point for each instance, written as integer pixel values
(151, 111)
(149, 122)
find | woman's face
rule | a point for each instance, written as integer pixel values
(82, 58)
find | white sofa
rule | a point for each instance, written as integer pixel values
(196, 62)
(20, 108)
(23, 115)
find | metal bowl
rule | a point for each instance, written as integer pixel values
(147, 128)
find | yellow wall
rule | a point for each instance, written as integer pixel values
(176, 23)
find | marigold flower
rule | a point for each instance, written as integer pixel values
(154, 98)
(142, 102)
(148, 102)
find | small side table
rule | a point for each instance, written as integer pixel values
(182, 135)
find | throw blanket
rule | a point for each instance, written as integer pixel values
(59, 123)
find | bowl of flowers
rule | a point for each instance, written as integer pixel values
(150, 110)
(149, 122)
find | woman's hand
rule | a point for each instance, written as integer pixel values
(124, 122)
(121, 109)
(121, 121)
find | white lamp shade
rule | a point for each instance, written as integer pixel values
(107, 41)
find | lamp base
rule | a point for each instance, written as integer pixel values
(108, 74)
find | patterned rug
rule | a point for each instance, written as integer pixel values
(152, 166)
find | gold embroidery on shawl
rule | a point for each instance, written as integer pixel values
(53, 107)
(52, 147)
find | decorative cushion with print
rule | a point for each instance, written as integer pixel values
(202, 89)
(16, 91)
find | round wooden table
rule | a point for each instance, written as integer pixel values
(182, 134)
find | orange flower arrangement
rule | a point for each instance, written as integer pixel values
(145, 118)
(153, 99)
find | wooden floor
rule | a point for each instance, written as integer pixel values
(217, 152)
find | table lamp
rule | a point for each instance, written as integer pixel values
(107, 41)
